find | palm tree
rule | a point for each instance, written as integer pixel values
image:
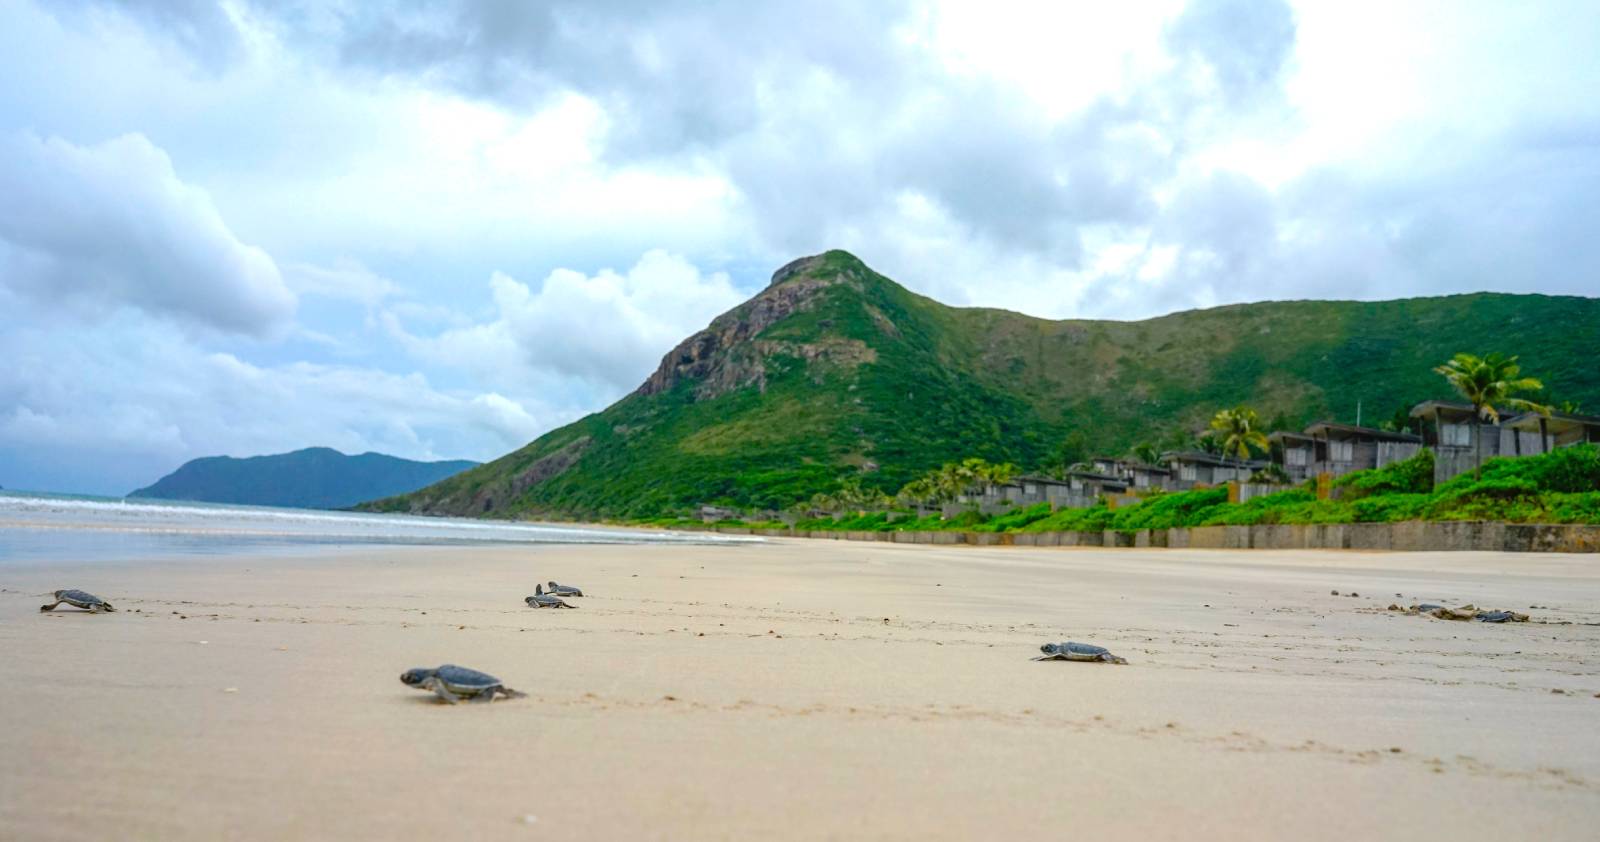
(852, 496)
(1485, 382)
(824, 503)
(1146, 453)
(1236, 430)
(920, 492)
(955, 478)
(999, 473)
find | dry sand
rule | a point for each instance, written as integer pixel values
(801, 689)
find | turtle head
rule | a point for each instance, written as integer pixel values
(415, 676)
(552, 584)
(60, 594)
(1050, 648)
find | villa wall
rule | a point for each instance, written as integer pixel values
(1410, 536)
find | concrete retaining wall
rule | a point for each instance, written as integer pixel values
(1431, 536)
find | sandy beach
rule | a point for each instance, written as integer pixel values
(804, 689)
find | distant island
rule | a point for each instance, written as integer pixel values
(313, 478)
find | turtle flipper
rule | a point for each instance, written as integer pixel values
(441, 690)
(510, 693)
(50, 607)
(484, 697)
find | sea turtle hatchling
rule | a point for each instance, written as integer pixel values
(563, 590)
(79, 599)
(540, 599)
(1070, 651)
(453, 684)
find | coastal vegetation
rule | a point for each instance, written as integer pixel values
(1562, 486)
(835, 382)
(1488, 383)
(1238, 432)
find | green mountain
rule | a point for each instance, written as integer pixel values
(314, 478)
(835, 371)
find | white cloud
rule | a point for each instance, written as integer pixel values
(1062, 159)
(345, 279)
(113, 225)
(131, 400)
(608, 329)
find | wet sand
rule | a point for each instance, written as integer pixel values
(804, 689)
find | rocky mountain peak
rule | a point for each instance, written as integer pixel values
(720, 357)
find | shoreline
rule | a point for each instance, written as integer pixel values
(792, 689)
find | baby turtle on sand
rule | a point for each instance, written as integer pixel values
(1501, 617)
(453, 684)
(540, 599)
(563, 590)
(1071, 651)
(79, 599)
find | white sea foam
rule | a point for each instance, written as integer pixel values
(45, 525)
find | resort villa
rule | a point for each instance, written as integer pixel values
(1190, 468)
(1074, 490)
(1325, 449)
(1134, 475)
(1329, 448)
(1459, 439)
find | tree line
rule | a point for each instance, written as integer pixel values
(1488, 383)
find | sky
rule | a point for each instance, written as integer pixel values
(440, 229)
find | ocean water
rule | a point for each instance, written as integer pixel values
(49, 527)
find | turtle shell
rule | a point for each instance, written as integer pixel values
(80, 598)
(465, 678)
(1082, 651)
(1073, 651)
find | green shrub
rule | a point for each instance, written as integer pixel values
(1091, 519)
(921, 524)
(1270, 508)
(1390, 508)
(1514, 499)
(1408, 476)
(1013, 521)
(1501, 487)
(1318, 511)
(1180, 508)
(1558, 487)
(966, 521)
(1568, 470)
(1572, 508)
